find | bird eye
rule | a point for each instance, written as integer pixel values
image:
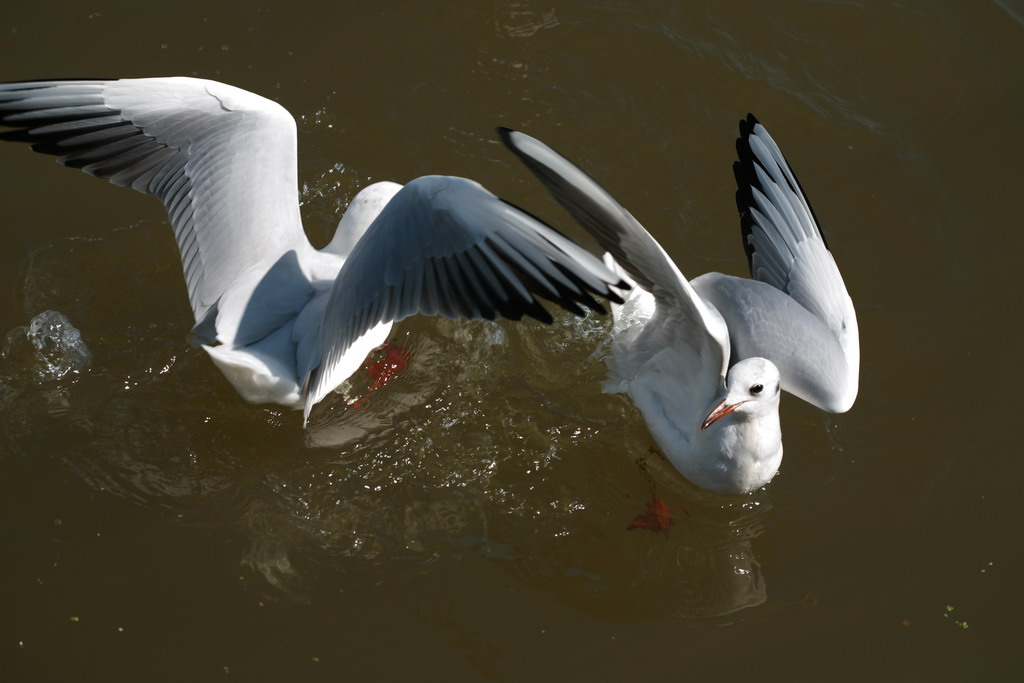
(757, 389)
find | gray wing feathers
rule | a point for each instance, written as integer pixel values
(589, 203)
(220, 159)
(787, 250)
(784, 244)
(765, 322)
(446, 246)
(626, 240)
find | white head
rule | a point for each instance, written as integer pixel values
(361, 212)
(752, 389)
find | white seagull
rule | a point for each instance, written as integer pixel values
(284, 322)
(704, 360)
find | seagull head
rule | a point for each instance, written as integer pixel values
(751, 391)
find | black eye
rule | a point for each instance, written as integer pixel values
(757, 389)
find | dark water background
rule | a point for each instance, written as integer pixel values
(468, 522)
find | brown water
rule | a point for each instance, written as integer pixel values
(468, 522)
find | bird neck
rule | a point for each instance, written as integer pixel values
(739, 455)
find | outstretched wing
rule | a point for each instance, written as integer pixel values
(686, 317)
(446, 246)
(222, 160)
(817, 348)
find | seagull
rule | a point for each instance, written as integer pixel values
(704, 360)
(287, 323)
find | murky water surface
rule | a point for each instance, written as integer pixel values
(468, 521)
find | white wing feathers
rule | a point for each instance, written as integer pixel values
(818, 354)
(784, 244)
(222, 160)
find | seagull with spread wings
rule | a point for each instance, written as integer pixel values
(704, 360)
(284, 322)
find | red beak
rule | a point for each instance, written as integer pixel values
(720, 411)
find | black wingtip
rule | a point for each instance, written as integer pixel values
(506, 138)
(15, 135)
(506, 135)
(746, 179)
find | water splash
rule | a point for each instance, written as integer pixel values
(49, 348)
